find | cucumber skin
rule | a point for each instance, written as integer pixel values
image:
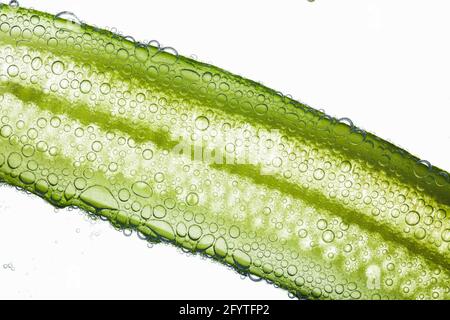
(372, 234)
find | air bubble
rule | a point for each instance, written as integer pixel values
(192, 199)
(159, 211)
(345, 166)
(221, 247)
(328, 236)
(14, 3)
(234, 232)
(70, 191)
(80, 183)
(27, 177)
(141, 52)
(142, 189)
(190, 75)
(195, 232)
(13, 70)
(319, 174)
(202, 123)
(105, 88)
(41, 186)
(205, 242)
(146, 212)
(14, 160)
(147, 154)
(162, 228)
(166, 55)
(412, 218)
(422, 169)
(241, 259)
(322, 224)
(66, 20)
(85, 86)
(39, 31)
(36, 63)
(58, 67)
(27, 150)
(420, 233)
(97, 146)
(99, 197)
(446, 235)
(6, 131)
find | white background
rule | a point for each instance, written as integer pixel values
(383, 63)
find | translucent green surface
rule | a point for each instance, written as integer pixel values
(188, 153)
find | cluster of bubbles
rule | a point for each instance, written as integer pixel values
(9, 266)
(90, 119)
